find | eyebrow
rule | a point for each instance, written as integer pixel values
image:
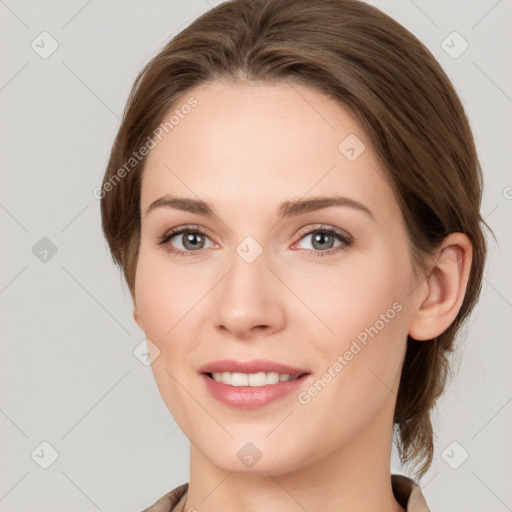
(286, 209)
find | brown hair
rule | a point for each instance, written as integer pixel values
(391, 83)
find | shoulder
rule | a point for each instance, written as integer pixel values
(408, 493)
(167, 502)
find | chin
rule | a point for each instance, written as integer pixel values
(248, 459)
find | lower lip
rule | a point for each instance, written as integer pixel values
(251, 397)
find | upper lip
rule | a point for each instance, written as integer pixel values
(252, 366)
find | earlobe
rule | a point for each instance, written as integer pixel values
(446, 286)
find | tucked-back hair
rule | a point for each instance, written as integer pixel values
(409, 110)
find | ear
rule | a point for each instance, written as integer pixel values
(445, 288)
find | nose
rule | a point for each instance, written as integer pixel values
(249, 299)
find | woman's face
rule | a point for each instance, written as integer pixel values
(261, 278)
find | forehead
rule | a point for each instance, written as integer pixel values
(244, 144)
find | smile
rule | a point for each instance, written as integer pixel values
(262, 389)
(251, 379)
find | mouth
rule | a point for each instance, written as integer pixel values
(252, 385)
(258, 379)
(251, 367)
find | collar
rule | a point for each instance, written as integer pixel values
(406, 492)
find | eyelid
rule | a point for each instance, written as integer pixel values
(304, 231)
(343, 236)
(179, 230)
(186, 227)
(324, 227)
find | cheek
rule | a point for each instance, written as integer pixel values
(365, 311)
(360, 370)
(172, 313)
(351, 298)
(163, 293)
(164, 301)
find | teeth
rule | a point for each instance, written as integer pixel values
(251, 379)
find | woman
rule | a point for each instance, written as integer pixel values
(261, 132)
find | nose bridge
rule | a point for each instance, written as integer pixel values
(247, 282)
(248, 295)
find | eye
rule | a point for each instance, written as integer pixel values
(191, 239)
(323, 239)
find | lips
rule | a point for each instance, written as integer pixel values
(253, 366)
(255, 395)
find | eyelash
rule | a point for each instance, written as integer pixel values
(346, 240)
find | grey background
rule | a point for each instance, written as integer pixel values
(68, 373)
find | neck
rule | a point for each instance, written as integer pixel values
(354, 477)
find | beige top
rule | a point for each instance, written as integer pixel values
(406, 492)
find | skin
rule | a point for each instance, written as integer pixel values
(246, 149)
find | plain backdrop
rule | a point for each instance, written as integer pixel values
(74, 396)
